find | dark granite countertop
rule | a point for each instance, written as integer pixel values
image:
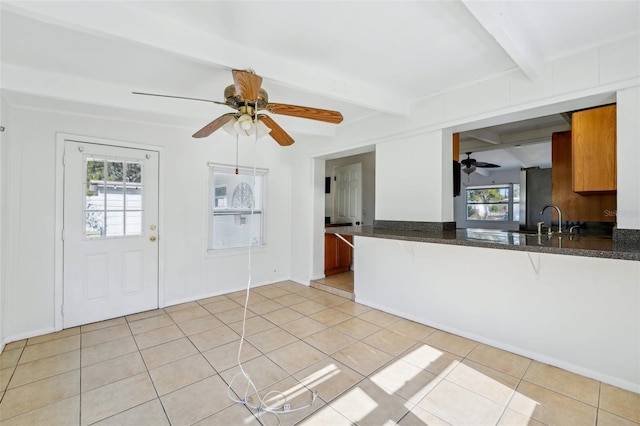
(601, 246)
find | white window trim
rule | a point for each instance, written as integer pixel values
(509, 203)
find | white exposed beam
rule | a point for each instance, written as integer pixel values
(485, 136)
(127, 22)
(505, 28)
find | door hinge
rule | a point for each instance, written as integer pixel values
(62, 309)
(63, 235)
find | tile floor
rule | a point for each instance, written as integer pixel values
(340, 284)
(173, 366)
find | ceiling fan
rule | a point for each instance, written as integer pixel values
(470, 164)
(247, 97)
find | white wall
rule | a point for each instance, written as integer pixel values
(495, 177)
(577, 313)
(188, 271)
(628, 146)
(5, 137)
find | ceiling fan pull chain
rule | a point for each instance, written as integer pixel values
(237, 148)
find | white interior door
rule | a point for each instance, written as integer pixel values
(110, 232)
(349, 194)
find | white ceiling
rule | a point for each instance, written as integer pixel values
(359, 57)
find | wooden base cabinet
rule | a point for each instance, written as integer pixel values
(337, 254)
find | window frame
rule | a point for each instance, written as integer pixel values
(512, 205)
(258, 208)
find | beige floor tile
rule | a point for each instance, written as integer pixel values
(606, 418)
(367, 404)
(52, 336)
(181, 306)
(148, 414)
(212, 338)
(564, 382)
(289, 391)
(450, 343)
(303, 327)
(225, 357)
(296, 356)
(168, 352)
(352, 308)
(291, 286)
(431, 359)
(253, 325)
(419, 417)
(145, 314)
(330, 317)
(270, 291)
(47, 349)
(196, 402)
(329, 340)
(5, 376)
(329, 378)
(500, 360)
(234, 315)
(15, 345)
(221, 306)
(39, 394)
(326, 416)
(390, 342)
(65, 412)
(189, 314)
(178, 374)
(261, 370)
(105, 334)
(492, 384)
(151, 323)
(107, 350)
(212, 299)
(102, 324)
(45, 367)
(620, 402)
(236, 414)
(357, 328)
(282, 316)
(111, 370)
(411, 329)
(550, 407)
(329, 300)
(290, 299)
(271, 339)
(513, 418)
(9, 358)
(264, 307)
(379, 318)
(105, 401)
(405, 380)
(200, 324)
(457, 405)
(158, 336)
(241, 298)
(361, 357)
(310, 293)
(309, 307)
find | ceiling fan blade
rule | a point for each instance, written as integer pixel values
(306, 112)
(214, 125)
(486, 165)
(179, 97)
(247, 84)
(277, 133)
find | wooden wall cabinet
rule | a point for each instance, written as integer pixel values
(337, 254)
(593, 146)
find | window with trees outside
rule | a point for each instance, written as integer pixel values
(500, 203)
(236, 213)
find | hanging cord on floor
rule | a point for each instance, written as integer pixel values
(262, 406)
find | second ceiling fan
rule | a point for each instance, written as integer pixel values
(470, 164)
(248, 98)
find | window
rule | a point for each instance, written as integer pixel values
(236, 213)
(113, 197)
(498, 203)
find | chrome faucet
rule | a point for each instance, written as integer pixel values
(559, 216)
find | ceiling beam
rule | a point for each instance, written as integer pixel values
(506, 29)
(126, 21)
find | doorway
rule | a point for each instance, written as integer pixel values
(110, 232)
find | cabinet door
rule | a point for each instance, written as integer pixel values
(330, 252)
(593, 142)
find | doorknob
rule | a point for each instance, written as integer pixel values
(152, 238)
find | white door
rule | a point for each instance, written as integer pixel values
(349, 194)
(110, 232)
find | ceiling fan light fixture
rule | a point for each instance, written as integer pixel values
(469, 170)
(245, 126)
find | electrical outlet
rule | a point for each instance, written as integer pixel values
(286, 407)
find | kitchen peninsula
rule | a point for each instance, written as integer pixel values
(572, 303)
